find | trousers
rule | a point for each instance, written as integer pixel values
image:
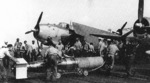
(3, 71)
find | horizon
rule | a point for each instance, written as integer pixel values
(19, 16)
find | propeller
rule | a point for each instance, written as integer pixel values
(120, 30)
(36, 28)
(128, 33)
(141, 26)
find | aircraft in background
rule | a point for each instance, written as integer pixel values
(141, 30)
(141, 27)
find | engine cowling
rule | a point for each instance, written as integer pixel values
(141, 29)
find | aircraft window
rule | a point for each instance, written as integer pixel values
(67, 26)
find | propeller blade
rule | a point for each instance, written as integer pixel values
(123, 25)
(128, 33)
(140, 10)
(40, 18)
(120, 30)
(29, 32)
(37, 25)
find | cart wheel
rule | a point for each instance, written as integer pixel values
(80, 72)
(58, 75)
(85, 73)
(133, 72)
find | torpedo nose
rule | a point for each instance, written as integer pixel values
(148, 52)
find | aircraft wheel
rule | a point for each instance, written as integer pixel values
(85, 73)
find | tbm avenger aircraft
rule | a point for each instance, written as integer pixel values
(67, 34)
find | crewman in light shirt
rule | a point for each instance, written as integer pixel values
(112, 50)
(28, 49)
(60, 46)
(78, 47)
(5, 52)
(34, 51)
(52, 56)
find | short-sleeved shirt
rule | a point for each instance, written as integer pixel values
(91, 48)
(28, 48)
(34, 46)
(99, 45)
(17, 46)
(103, 46)
(51, 50)
(4, 52)
(78, 45)
(86, 47)
(112, 49)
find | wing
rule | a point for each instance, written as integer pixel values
(86, 31)
(107, 36)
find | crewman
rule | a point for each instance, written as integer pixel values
(5, 52)
(28, 49)
(129, 56)
(91, 49)
(78, 47)
(60, 46)
(112, 50)
(17, 48)
(6, 58)
(52, 56)
(34, 51)
(85, 49)
(101, 47)
(99, 44)
(21, 50)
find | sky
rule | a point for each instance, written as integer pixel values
(19, 16)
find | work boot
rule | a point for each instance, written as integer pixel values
(48, 74)
(53, 78)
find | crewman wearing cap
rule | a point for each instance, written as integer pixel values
(101, 46)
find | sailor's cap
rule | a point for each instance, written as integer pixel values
(100, 38)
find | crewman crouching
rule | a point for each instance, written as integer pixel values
(52, 56)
